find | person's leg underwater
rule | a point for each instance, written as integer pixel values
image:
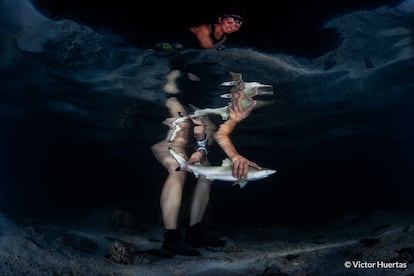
(170, 201)
(172, 191)
(195, 234)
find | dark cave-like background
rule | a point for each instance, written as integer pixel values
(293, 27)
(55, 164)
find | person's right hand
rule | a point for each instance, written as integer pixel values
(241, 166)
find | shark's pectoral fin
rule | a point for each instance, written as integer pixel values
(241, 183)
(228, 83)
(226, 162)
(226, 96)
(196, 174)
(225, 116)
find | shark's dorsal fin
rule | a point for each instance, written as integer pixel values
(226, 162)
(235, 76)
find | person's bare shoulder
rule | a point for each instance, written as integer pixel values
(201, 29)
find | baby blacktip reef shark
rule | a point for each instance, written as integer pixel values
(223, 172)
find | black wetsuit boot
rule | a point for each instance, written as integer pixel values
(194, 236)
(174, 244)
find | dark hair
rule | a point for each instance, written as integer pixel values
(236, 9)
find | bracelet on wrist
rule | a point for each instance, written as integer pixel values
(202, 149)
(202, 145)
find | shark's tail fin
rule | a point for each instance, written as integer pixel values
(180, 160)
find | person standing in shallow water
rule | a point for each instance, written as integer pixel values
(215, 35)
(207, 35)
(191, 142)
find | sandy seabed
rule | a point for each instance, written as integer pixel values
(374, 244)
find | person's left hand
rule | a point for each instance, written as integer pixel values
(194, 158)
